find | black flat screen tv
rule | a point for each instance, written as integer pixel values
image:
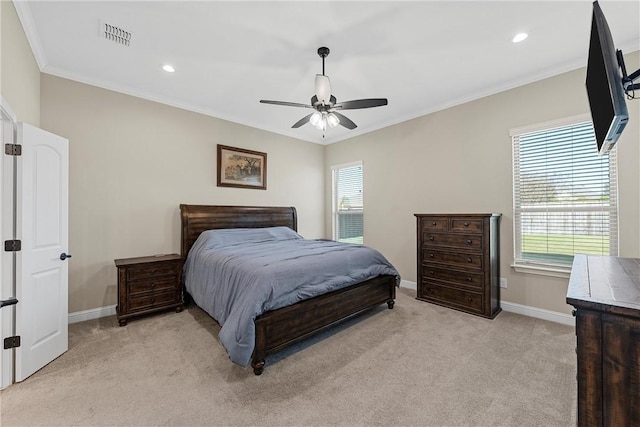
(604, 85)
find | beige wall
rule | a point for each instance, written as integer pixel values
(132, 162)
(20, 75)
(459, 160)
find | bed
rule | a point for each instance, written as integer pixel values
(278, 328)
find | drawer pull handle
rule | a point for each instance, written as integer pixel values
(469, 299)
(432, 290)
(153, 286)
(469, 279)
(153, 300)
(431, 238)
(433, 223)
(469, 241)
(469, 259)
(431, 272)
(431, 255)
(466, 224)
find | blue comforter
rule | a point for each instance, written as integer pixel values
(237, 274)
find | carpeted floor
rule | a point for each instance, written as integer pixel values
(418, 364)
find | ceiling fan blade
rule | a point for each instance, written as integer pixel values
(302, 121)
(361, 103)
(287, 104)
(345, 121)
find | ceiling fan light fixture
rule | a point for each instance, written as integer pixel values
(326, 106)
(333, 120)
(316, 119)
(323, 88)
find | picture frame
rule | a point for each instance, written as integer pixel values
(241, 168)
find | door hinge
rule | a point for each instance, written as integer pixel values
(12, 245)
(13, 149)
(12, 342)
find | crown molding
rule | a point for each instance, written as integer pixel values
(24, 15)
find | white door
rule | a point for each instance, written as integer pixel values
(42, 269)
(7, 287)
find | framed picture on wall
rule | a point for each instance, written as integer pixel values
(241, 168)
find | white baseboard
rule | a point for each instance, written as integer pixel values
(409, 285)
(94, 313)
(525, 310)
(539, 313)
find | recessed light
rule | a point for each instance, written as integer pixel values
(520, 37)
(168, 68)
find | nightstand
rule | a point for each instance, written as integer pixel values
(147, 285)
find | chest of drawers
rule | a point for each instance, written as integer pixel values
(148, 284)
(458, 261)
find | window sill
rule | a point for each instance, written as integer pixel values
(543, 270)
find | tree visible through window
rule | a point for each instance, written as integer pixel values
(348, 203)
(565, 196)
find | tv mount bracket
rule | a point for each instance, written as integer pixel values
(627, 80)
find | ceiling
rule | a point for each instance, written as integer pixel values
(422, 55)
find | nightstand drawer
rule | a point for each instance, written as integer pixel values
(152, 271)
(152, 284)
(151, 301)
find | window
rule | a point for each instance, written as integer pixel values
(348, 205)
(565, 197)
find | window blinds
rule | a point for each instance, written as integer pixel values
(565, 196)
(348, 204)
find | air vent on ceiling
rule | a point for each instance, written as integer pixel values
(115, 34)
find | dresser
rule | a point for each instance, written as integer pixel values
(459, 261)
(605, 292)
(147, 285)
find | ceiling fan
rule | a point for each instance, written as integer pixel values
(326, 105)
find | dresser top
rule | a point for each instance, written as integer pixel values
(146, 259)
(605, 283)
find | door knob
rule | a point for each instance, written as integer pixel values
(64, 256)
(6, 302)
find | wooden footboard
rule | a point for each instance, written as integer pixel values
(280, 328)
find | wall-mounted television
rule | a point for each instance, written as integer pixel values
(605, 84)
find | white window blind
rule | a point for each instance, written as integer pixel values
(348, 203)
(565, 197)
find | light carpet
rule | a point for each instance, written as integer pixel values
(416, 365)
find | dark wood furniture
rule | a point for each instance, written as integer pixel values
(280, 328)
(459, 261)
(605, 292)
(147, 285)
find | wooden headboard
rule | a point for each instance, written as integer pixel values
(198, 218)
